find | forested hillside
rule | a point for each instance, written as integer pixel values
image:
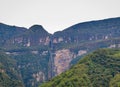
(9, 74)
(98, 69)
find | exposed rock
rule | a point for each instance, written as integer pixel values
(106, 37)
(2, 70)
(62, 60)
(12, 53)
(34, 52)
(28, 44)
(18, 40)
(40, 77)
(112, 46)
(81, 52)
(44, 52)
(55, 40)
(47, 40)
(60, 39)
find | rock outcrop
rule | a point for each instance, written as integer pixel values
(62, 60)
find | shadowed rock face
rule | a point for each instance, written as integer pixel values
(38, 36)
(18, 36)
(37, 29)
(89, 31)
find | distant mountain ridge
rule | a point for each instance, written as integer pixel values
(93, 30)
(40, 55)
(18, 36)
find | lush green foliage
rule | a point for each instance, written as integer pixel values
(115, 82)
(31, 61)
(98, 69)
(9, 75)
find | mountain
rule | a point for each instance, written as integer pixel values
(83, 38)
(35, 36)
(15, 37)
(90, 31)
(40, 55)
(98, 69)
(9, 74)
(8, 32)
(29, 48)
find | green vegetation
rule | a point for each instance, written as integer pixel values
(9, 75)
(98, 69)
(30, 62)
(115, 82)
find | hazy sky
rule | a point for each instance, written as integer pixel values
(56, 15)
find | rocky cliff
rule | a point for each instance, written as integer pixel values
(63, 59)
(12, 36)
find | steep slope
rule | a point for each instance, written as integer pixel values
(9, 74)
(98, 69)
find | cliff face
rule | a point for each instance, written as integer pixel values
(89, 31)
(12, 36)
(62, 60)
